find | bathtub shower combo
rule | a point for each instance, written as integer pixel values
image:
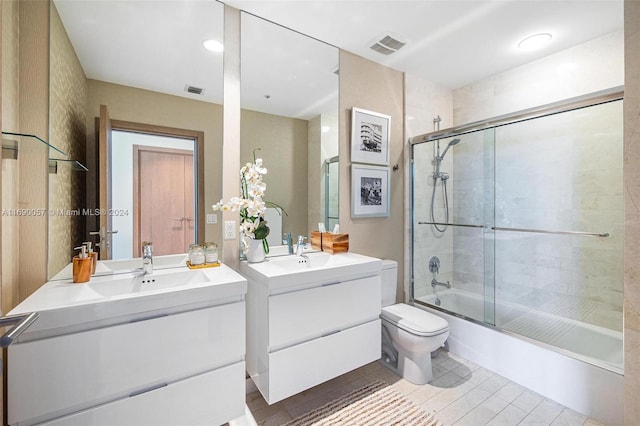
(518, 225)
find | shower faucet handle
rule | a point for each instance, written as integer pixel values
(434, 265)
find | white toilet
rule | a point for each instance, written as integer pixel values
(409, 334)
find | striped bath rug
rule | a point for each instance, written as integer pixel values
(376, 404)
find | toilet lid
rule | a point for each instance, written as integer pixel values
(415, 320)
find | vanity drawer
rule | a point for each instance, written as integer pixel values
(306, 314)
(308, 364)
(211, 398)
(82, 369)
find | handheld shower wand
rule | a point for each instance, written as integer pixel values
(443, 176)
(449, 145)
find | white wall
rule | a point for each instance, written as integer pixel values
(424, 101)
(586, 68)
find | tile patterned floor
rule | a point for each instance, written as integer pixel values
(461, 394)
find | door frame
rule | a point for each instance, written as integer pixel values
(198, 153)
(136, 185)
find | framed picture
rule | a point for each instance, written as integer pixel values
(369, 137)
(369, 191)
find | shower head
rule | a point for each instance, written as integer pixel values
(453, 142)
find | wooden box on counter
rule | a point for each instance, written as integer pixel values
(316, 240)
(335, 243)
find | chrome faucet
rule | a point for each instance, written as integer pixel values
(286, 239)
(300, 246)
(435, 282)
(147, 257)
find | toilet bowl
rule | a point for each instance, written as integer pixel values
(409, 334)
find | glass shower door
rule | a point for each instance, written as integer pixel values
(452, 212)
(559, 225)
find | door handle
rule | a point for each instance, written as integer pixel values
(112, 232)
(179, 218)
(189, 219)
(23, 322)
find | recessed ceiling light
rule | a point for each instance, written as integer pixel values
(535, 41)
(213, 45)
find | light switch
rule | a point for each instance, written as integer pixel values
(212, 218)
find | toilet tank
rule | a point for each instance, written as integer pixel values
(389, 282)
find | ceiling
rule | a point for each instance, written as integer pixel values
(156, 45)
(449, 42)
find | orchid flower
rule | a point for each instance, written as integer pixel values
(250, 204)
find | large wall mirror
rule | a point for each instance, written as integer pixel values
(289, 99)
(137, 74)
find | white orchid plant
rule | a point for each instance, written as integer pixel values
(251, 204)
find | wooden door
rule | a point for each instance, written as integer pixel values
(104, 152)
(163, 199)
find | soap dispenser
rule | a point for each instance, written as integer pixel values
(93, 255)
(81, 266)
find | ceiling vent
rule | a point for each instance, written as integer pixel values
(387, 44)
(193, 89)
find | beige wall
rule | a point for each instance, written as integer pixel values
(67, 130)
(283, 149)
(3, 72)
(632, 212)
(33, 117)
(10, 182)
(371, 86)
(143, 106)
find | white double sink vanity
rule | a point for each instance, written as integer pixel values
(169, 347)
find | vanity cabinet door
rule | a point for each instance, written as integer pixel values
(308, 364)
(211, 398)
(307, 314)
(76, 371)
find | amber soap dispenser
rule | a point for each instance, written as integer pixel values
(82, 265)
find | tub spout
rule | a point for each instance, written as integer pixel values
(435, 282)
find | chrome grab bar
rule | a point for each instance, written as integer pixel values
(543, 231)
(23, 322)
(451, 224)
(536, 231)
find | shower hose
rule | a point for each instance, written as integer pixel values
(446, 204)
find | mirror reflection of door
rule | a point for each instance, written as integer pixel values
(153, 198)
(163, 208)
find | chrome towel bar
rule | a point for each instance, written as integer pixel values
(543, 231)
(23, 322)
(535, 231)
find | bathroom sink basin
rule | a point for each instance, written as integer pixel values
(287, 264)
(147, 283)
(319, 267)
